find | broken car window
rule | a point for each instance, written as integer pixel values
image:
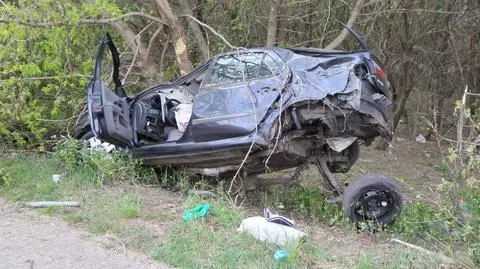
(236, 68)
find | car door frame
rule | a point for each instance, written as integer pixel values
(109, 111)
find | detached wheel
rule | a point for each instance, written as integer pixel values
(372, 197)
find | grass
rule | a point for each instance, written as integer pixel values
(103, 210)
(212, 242)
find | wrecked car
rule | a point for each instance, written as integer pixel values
(252, 111)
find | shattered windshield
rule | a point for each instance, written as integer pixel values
(236, 68)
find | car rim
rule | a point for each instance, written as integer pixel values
(374, 204)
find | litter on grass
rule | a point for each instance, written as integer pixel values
(271, 232)
(280, 255)
(200, 211)
(275, 218)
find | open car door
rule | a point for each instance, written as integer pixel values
(109, 112)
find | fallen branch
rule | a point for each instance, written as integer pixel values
(120, 241)
(52, 203)
(426, 251)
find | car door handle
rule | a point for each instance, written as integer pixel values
(266, 89)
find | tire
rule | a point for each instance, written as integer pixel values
(372, 197)
(86, 136)
(82, 125)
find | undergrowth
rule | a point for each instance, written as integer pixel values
(100, 165)
(213, 242)
(440, 226)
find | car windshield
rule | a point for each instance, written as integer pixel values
(236, 68)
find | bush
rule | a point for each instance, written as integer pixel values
(100, 166)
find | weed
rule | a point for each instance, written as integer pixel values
(213, 243)
(413, 260)
(74, 218)
(442, 168)
(420, 218)
(101, 166)
(29, 178)
(51, 210)
(366, 262)
(102, 211)
(175, 179)
(130, 207)
(4, 177)
(311, 202)
(139, 238)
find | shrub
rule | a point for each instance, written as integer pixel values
(100, 165)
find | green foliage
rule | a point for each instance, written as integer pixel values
(101, 166)
(103, 212)
(28, 178)
(213, 243)
(311, 201)
(44, 70)
(419, 218)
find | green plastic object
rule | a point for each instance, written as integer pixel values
(280, 255)
(200, 211)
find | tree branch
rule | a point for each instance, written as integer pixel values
(211, 29)
(83, 21)
(350, 22)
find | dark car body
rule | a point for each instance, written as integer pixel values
(265, 108)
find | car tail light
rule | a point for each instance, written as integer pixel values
(379, 72)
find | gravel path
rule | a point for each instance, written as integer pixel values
(30, 240)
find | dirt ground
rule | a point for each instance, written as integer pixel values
(30, 240)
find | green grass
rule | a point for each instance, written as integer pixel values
(414, 259)
(214, 243)
(366, 262)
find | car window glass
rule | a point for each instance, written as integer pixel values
(106, 69)
(236, 68)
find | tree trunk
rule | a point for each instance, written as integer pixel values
(405, 79)
(197, 31)
(350, 22)
(177, 35)
(273, 22)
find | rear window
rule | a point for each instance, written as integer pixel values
(237, 68)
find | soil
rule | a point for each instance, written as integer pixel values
(30, 240)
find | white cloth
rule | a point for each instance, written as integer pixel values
(183, 112)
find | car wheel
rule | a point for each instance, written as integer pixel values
(87, 136)
(374, 198)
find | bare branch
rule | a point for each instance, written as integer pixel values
(132, 63)
(350, 22)
(211, 29)
(152, 42)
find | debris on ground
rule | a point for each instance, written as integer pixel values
(56, 178)
(275, 218)
(200, 211)
(52, 203)
(280, 255)
(421, 139)
(271, 232)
